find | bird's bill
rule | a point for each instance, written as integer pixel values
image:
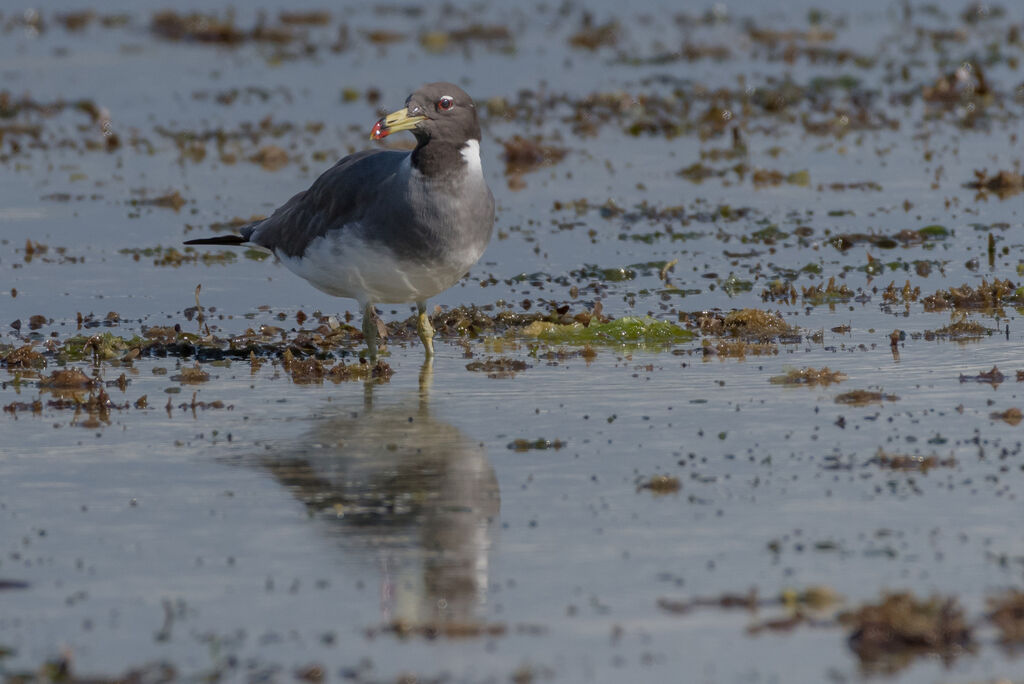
(394, 122)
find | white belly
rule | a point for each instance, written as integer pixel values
(369, 274)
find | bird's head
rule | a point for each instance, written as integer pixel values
(436, 111)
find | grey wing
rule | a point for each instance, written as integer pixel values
(339, 197)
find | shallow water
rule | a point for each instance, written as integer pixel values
(452, 526)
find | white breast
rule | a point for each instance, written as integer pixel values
(471, 153)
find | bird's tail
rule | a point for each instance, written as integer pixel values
(219, 240)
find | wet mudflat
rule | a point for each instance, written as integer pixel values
(733, 396)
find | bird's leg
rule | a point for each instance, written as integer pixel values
(424, 329)
(370, 331)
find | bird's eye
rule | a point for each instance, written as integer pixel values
(445, 103)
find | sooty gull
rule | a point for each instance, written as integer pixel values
(386, 226)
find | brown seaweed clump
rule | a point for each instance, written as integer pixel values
(72, 378)
(591, 36)
(498, 368)
(523, 155)
(1002, 183)
(22, 357)
(900, 295)
(987, 296)
(889, 635)
(662, 484)
(905, 462)
(965, 84)
(754, 325)
(992, 377)
(1011, 416)
(808, 376)
(737, 349)
(959, 328)
(826, 294)
(864, 398)
(779, 290)
(209, 28)
(191, 375)
(313, 371)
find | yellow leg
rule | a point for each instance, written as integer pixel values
(424, 329)
(370, 331)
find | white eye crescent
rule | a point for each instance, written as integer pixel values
(445, 102)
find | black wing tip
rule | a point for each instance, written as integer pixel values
(218, 240)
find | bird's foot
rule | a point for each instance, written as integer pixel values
(426, 333)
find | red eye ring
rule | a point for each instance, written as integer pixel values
(445, 103)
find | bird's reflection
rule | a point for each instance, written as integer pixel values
(412, 493)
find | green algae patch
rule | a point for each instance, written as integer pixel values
(934, 232)
(103, 347)
(625, 330)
